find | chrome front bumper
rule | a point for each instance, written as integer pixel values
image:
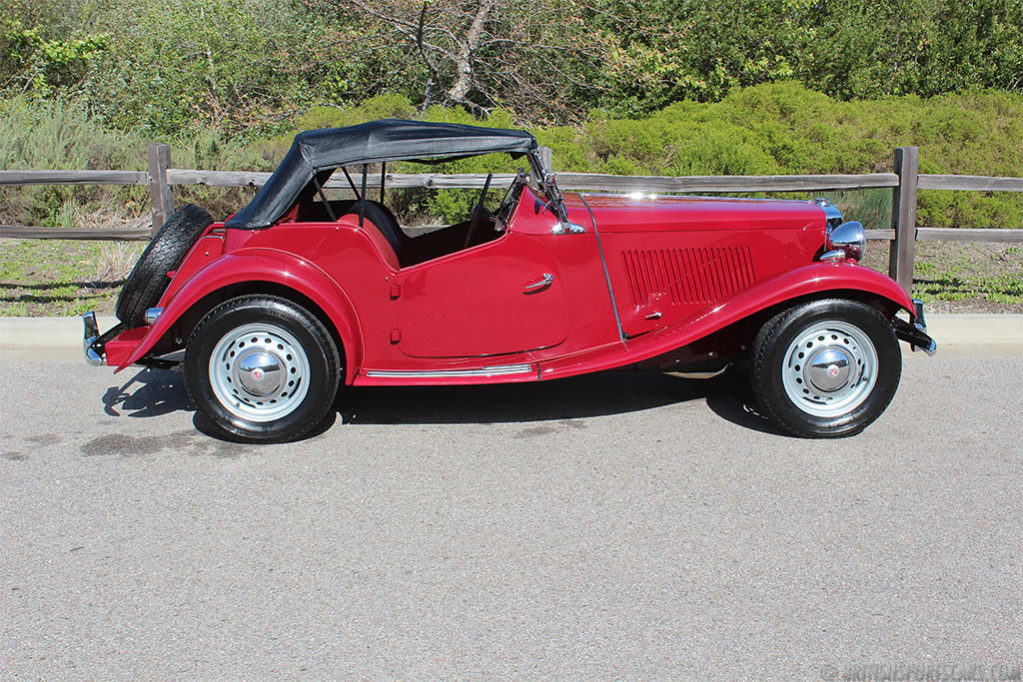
(915, 334)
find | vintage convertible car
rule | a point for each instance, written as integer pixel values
(298, 294)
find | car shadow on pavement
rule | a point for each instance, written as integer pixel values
(156, 392)
(592, 395)
(149, 393)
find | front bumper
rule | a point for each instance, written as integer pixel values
(915, 334)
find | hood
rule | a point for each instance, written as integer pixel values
(646, 213)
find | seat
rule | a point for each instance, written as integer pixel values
(387, 227)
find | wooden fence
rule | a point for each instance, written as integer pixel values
(904, 180)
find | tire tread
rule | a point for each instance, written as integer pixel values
(271, 307)
(770, 396)
(148, 279)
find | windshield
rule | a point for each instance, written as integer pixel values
(545, 182)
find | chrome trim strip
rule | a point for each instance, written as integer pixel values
(607, 276)
(492, 371)
(710, 374)
(831, 213)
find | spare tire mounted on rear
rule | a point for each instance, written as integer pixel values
(148, 279)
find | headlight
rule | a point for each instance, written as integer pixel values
(849, 238)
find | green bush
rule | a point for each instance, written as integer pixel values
(58, 135)
(779, 128)
(783, 128)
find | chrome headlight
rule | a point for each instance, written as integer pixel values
(849, 238)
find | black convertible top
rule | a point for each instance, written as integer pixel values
(315, 151)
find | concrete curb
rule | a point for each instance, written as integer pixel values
(60, 338)
(45, 338)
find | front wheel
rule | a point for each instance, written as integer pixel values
(826, 368)
(262, 369)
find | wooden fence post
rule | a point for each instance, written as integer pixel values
(546, 157)
(902, 249)
(163, 198)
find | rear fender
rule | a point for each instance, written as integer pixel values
(255, 266)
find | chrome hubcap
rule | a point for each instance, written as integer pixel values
(829, 369)
(259, 372)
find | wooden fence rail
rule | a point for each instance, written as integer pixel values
(904, 181)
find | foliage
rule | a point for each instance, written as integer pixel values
(59, 135)
(783, 128)
(779, 128)
(925, 47)
(248, 67)
(671, 50)
(44, 65)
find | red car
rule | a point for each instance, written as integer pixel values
(299, 295)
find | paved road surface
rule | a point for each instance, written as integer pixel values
(626, 526)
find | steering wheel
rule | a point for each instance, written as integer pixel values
(479, 214)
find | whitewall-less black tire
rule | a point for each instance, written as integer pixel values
(826, 368)
(262, 369)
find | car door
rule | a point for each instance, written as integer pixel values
(501, 297)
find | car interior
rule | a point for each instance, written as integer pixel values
(397, 246)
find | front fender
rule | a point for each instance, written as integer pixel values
(815, 279)
(262, 266)
(840, 279)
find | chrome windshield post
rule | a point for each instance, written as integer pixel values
(555, 198)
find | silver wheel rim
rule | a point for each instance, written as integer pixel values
(259, 372)
(829, 369)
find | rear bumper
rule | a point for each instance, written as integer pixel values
(94, 354)
(110, 346)
(915, 334)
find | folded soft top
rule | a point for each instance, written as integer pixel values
(375, 142)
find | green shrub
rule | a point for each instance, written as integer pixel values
(58, 135)
(779, 128)
(783, 128)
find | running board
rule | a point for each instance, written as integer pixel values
(482, 372)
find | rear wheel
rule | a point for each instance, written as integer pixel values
(262, 369)
(826, 368)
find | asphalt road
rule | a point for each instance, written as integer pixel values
(619, 526)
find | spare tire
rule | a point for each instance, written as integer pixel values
(148, 279)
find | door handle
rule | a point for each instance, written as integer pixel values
(540, 285)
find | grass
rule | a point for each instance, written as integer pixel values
(41, 277)
(987, 276)
(962, 276)
(55, 278)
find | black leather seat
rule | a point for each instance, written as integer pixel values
(386, 223)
